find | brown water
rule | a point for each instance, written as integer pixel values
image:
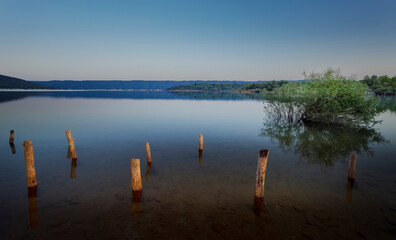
(307, 195)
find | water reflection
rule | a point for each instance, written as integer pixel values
(13, 150)
(349, 190)
(17, 95)
(136, 204)
(207, 95)
(319, 144)
(389, 103)
(148, 170)
(33, 210)
(258, 205)
(200, 156)
(73, 168)
(71, 153)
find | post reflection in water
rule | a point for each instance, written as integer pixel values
(351, 177)
(136, 204)
(13, 150)
(258, 205)
(73, 168)
(148, 170)
(33, 210)
(200, 158)
(350, 183)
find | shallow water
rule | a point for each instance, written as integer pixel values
(307, 195)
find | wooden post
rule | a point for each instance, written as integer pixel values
(72, 149)
(73, 168)
(148, 153)
(201, 142)
(11, 136)
(33, 210)
(68, 135)
(29, 162)
(69, 153)
(351, 167)
(136, 180)
(260, 173)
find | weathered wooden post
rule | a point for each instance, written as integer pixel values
(29, 163)
(11, 137)
(32, 183)
(260, 173)
(351, 167)
(71, 152)
(201, 142)
(260, 180)
(148, 153)
(136, 179)
(136, 184)
(73, 168)
(200, 156)
(68, 135)
(73, 149)
(351, 176)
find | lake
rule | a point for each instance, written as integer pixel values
(185, 195)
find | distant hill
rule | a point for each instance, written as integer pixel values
(204, 86)
(126, 85)
(7, 82)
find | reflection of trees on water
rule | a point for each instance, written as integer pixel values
(319, 143)
(214, 95)
(389, 103)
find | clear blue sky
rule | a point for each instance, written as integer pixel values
(214, 39)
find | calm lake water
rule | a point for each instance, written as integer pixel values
(307, 195)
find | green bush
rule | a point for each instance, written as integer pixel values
(326, 97)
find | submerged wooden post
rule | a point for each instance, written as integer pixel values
(148, 153)
(11, 137)
(201, 142)
(351, 167)
(260, 173)
(29, 162)
(136, 179)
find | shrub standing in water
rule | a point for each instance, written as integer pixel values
(328, 98)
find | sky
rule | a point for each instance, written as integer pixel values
(195, 40)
